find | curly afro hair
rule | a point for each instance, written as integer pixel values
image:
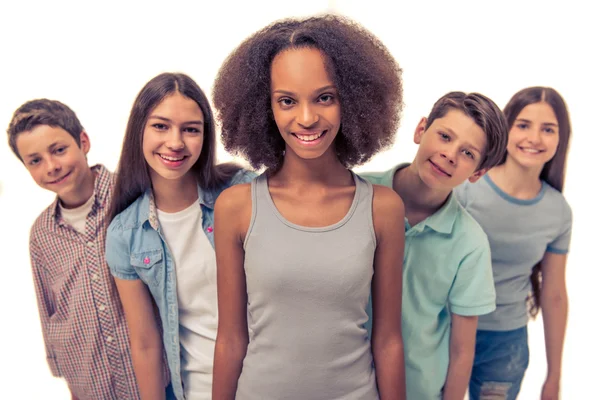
(367, 77)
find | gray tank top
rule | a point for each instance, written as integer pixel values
(307, 294)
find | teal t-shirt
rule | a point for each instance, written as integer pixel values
(520, 232)
(447, 269)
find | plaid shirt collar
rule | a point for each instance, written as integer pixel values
(101, 191)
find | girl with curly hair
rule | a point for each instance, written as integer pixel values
(529, 233)
(300, 248)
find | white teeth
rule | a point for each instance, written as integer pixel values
(171, 158)
(309, 138)
(528, 150)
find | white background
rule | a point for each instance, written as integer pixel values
(95, 58)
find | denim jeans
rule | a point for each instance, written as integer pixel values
(501, 358)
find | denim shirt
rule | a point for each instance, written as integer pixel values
(136, 249)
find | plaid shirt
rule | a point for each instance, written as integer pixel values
(83, 324)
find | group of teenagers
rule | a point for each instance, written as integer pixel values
(181, 278)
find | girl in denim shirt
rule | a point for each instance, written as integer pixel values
(159, 245)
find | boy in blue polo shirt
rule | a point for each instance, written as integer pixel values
(447, 279)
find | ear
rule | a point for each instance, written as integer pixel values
(420, 130)
(478, 174)
(84, 142)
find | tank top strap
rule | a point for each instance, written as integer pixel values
(363, 214)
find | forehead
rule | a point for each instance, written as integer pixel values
(464, 128)
(538, 112)
(299, 69)
(40, 138)
(178, 107)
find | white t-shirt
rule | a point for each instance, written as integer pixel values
(196, 271)
(76, 217)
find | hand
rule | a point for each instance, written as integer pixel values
(550, 389)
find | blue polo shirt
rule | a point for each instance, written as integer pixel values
(447, 269)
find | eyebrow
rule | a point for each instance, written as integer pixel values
(52, 146)
(543, 123)
(281, 91)
(199, 122)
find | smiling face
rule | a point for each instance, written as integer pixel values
(305, 102)
(55, 161)
(534, 136)
(450, 150)
(173, 138)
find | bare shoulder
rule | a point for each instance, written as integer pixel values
(388, 213)
(233, 210)
(234, 198)
(386, 202)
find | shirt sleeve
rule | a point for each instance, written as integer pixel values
(242, 176)
(560, 245)
(118, 252)
(473, 292)
(45, 301)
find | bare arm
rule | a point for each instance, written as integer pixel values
(45, 302)
(462, 352)
(145, 338)
(232, 216)
(554, 305)
(386, 342)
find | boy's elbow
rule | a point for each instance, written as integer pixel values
(462, 350)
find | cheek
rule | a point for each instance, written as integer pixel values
(147, 145)
(552, 144)
(194, 145)
(280, 119)
(514, 135)
(37, 175)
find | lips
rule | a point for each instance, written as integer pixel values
(439, 169)
(171, 158)
(530, 150)
(309, 136)
(59, 180)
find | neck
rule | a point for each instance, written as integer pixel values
(172, 195)
(420, 201)
(326, 170)
(82, 193)
(516, 180)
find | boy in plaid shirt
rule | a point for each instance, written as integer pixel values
(83, 325)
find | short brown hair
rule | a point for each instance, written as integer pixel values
(486, 114)
(42, 112)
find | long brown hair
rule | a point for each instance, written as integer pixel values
(133, 177)
(554, 171)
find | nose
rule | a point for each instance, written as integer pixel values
(307, 116)
(175, 140)
(450, 154)
(535, 135)
(52, 166)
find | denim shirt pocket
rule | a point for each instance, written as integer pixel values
(149, 265)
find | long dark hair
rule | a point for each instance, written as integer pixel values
(133, 178)
(554, 171)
